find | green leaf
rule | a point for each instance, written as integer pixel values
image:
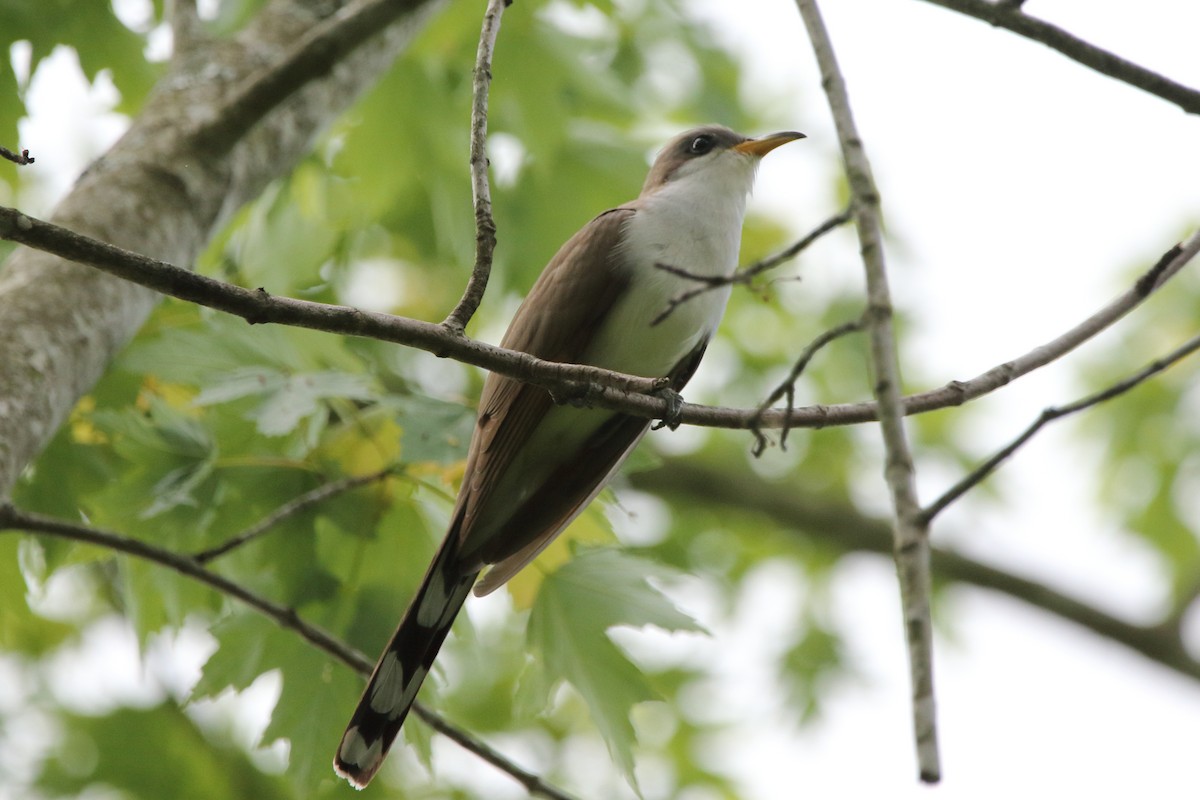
(153, 753)
(317, 695)
(578, 603)
(21, 630)
(171, 454)
(287, 400)
(434, 430)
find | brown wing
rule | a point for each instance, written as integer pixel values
(576, 484)
(570, 298)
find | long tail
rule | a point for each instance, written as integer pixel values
(402, 668)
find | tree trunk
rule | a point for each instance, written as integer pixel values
(164, 192)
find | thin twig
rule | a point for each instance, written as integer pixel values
(787, 388)
(977, 476)
(744, 276)
(485, 224)
(289, 509)
(626, 393)
(21, 158)
(12, 519)
(1008, 15)
(533, 784)
(911, 537)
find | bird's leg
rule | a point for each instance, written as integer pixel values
(674, 416)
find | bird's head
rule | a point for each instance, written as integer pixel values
(713, 156)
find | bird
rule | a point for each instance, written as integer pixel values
(533, 464)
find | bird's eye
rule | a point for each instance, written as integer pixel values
(701, 145)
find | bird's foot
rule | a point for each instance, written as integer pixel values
(674, 416)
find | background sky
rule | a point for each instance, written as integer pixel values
(1021, 191)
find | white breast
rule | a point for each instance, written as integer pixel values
(694, 224)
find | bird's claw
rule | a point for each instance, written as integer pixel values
(674, 416)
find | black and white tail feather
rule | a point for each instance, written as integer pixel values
(402, 667)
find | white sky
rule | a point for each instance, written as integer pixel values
(1020, 190)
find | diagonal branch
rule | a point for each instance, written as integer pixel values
(12, 518)
(290, 509)
(157, 191)
(485, 224)
(318, 52)
(979, 474)
(844, 529)
(1008, 15)
(911, 534)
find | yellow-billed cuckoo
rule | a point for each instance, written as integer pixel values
(533, 466)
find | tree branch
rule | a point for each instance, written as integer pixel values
(22, 158)
(485, 224)
(12, 518)
(844, 529)
(788, 387)
(318, 51)
(978, 475)
(1008, 15)
(290, 509)
(911, 533)
(625, 393)
(157, 193)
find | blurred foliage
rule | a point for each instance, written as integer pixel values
(206, 425)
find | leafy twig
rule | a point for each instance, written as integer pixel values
(12, 518)
(911, 535)
(977, 476)
(21, 158)
(1008, 15)
(787, 388)
(706, 283)
(289, 509)
(485, 224)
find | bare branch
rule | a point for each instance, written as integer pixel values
(485, 224)
(259, 307)
(910, 532)
(844, 529)
(626, 393)
(316, 54)
(12, 519)
(535, 785)
(22, 158)
(1008, 15)
(706, 283)
(15, 519)
(290, 509)
(187, 31)
(977, 476)
(788, 387)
